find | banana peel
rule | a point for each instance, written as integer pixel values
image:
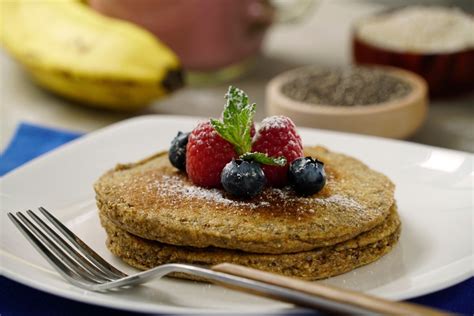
(79, 54)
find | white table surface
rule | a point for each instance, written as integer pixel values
(322, 38)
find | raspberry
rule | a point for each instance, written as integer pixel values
(276, 137)
(206, 155)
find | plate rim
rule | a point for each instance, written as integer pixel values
(136, 119)
(125, 305)
(162, 308)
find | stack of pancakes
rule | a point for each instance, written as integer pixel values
(153, 215)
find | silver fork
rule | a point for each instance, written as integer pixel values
(83, 267)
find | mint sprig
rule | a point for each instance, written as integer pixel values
(236, 120)
(264, 159)
(236, 124)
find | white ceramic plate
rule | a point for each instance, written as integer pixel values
(434, 195)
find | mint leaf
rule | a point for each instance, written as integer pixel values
(236, 121)
(264, 159)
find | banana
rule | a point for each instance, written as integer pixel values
(77, 53)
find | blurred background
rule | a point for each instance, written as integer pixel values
(243, 43)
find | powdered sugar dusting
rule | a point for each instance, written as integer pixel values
(273, 122)
(172, 185)
(282, 128)
(287, 194)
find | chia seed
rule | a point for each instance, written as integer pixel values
(345, 86)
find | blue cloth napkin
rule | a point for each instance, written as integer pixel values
(31, 141)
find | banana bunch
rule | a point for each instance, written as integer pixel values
(77, 53)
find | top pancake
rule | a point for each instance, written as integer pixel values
(155, 201)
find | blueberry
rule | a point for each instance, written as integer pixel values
(177, 152)
(306, 175)
(243, 178)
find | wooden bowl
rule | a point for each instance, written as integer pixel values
(447, 73)
(398, 118)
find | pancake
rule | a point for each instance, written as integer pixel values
(309, 265)
(153, 200)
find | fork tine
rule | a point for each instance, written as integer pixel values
(62, 255)
(55, 261)
(104, 274)
(79, 244)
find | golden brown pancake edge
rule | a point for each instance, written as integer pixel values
(309, 265)
(153, 200)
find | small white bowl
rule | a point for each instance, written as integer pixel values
(398, 118)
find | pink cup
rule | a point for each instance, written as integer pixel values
(206, 34)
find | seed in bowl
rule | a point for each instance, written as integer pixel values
(345, 86)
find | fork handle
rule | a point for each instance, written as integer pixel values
(351, 300)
